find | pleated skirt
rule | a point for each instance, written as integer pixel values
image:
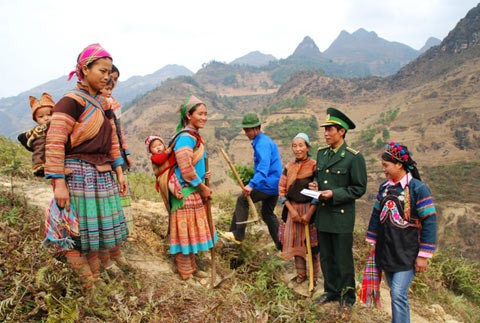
(189, 230)
(96, 200)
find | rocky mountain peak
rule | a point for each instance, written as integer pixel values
(307, 48)
(466, 33)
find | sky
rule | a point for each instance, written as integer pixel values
(41, 39)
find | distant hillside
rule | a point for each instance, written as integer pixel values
(15, 112)
(432, 41)
(136, 86)
(256, 59)
(379, 56)
(461, 45)
(437, 117)
(361, 54)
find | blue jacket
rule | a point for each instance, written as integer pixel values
(267, 165)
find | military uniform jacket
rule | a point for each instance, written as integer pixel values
(346, 175)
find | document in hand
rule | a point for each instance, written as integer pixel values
(311, 193)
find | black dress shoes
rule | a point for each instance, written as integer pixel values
(325, 298)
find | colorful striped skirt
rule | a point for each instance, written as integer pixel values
(294, 236)
(96, 201)
(189, 231)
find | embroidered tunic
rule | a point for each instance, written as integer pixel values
(403, 224)
(74, 134)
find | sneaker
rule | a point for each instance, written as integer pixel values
(229, 236)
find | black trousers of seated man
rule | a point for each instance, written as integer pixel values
(268, 216)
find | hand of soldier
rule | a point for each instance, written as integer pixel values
(326, 195)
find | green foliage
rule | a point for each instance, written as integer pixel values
(296, 102)
(385, 135)
(445, 179)
(389, 116)
(227, 133)
(367, 140)
(142, 186)
(230, 80)
(10, 215)
(244, 172)
(458, 274)
(287, 128)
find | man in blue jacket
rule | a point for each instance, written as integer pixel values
(264, 184)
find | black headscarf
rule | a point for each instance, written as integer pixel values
(396, 153)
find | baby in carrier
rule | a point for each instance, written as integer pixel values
(34, 139)
(162, 162)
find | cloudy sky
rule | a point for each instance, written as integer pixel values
(40, 39)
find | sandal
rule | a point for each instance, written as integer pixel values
(298, 280)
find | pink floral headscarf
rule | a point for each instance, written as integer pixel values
(90, 54)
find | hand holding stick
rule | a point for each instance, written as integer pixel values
(252, 208)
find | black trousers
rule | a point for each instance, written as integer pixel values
(336, 259)
(241, 214)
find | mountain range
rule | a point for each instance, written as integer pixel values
(350, 55)
(431, 105)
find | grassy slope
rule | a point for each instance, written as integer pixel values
(35, 286)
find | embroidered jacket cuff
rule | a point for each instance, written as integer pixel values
(53, 176)
(426, 250)
(118, 162)
(197, 181)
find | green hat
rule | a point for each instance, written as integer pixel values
(336, 117)
(250, 120)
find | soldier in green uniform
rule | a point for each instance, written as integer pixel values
(341, 178)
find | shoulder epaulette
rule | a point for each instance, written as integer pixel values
(323, 147)
(351, 150)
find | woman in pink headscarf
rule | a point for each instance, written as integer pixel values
(82, 151)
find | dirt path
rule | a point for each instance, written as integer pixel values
(148, 252)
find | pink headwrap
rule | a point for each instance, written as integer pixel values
(151, 138)
(90, 54)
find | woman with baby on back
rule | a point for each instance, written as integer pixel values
(188, 227)
(82, 150)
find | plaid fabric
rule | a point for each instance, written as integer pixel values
(60, 227)
(370, 290)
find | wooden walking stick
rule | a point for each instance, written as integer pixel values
(252, 208)
(210, 226)
(309, 258)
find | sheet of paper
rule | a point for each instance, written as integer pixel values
(311, 193)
